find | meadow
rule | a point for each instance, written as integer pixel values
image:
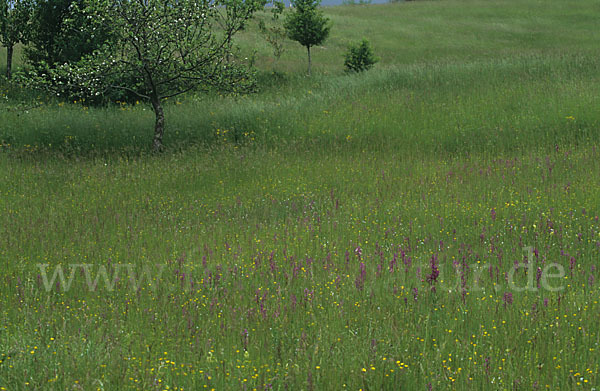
(430, 224)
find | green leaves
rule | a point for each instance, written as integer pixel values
(274, 34)
(359, 57)
(156, 49)
(14, 17)
(61, 31)
(306, 24)
(171, 46)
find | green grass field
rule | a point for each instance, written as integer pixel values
(431, 224)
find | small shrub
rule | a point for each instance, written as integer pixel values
(360, 57)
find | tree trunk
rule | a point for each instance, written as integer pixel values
(9, 56)
(159, 125)
(308, 49)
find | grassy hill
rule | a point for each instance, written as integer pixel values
(444, 67)
(449, 31)
(430, 224)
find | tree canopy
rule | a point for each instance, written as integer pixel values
(14, 17)
(159, 49)
(307, 25)
(60, 31)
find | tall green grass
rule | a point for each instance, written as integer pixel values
(485, 106)
(274, 242)
(458, 31)
(291, 237)
(503, 72)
